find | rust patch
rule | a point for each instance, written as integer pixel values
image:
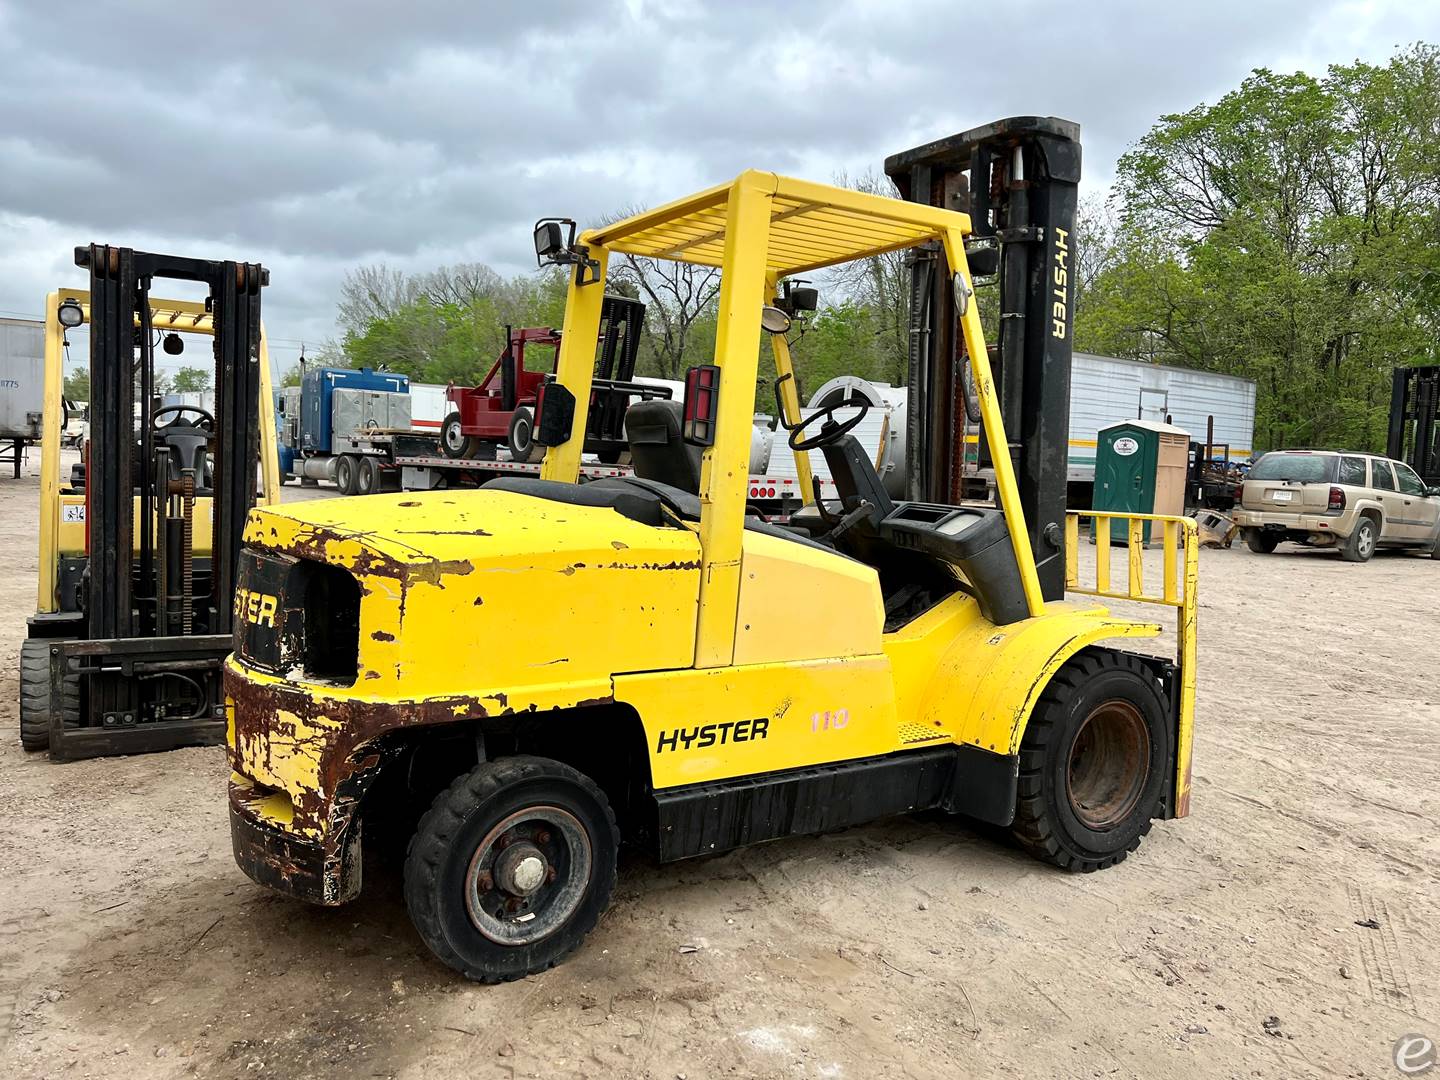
(382, 635)
(477, 602)
(408, 502)
(619, 545)
(334, 734)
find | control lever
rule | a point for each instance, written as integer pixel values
(862, 511)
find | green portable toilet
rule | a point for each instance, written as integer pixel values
(1140, 468)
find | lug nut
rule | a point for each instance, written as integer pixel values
(485, 881)
(550, 875)
(542, 837)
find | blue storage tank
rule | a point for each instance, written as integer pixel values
(317, 399)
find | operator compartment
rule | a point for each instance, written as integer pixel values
(972, 539)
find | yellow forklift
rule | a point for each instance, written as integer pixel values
(546, 669)
(139, 542)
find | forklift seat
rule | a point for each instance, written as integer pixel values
(657, 452)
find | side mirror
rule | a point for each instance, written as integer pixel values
(1432, 492)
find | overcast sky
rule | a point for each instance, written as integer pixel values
(316, 136)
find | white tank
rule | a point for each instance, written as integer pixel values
(883, 398)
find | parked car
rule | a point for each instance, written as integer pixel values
(1334, 498)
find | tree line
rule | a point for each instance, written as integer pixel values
(1288, 233)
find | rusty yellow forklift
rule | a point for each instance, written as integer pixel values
(551, 668)
(139, 542)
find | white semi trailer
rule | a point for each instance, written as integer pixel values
(22, 387)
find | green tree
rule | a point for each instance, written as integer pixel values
(77, 384)
(190, 380)
(1286, 233)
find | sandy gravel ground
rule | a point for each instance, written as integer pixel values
(1231, 945)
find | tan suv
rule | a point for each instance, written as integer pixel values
(1329, 498)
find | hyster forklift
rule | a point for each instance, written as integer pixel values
(139, 544)
(501, 410)
(551, 668)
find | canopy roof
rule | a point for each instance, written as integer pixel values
(811, 225)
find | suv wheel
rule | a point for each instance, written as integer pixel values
(1258, 540)
(1361, 544)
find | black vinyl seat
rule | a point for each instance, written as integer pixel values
(657, 451)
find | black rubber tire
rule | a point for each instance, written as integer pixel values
(439, 856)
(1359, 546)
(367, 475)
(1046, 823)
(345, 474)
(520, 440)
(452, 443)
(1261, 542)
(36, 704)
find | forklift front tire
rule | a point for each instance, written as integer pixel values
(36, 700)
(1093, 763)
(511, 867)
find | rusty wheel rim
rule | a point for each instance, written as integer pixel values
(497, 900)
(1108, 764)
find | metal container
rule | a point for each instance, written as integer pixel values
(358, 411)
(22, 378)
(319, 383)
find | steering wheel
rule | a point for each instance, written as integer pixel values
(207, 422)
(832, 430)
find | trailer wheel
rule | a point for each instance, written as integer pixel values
(367, 476)
(1260, 542)
(453, 439)
(345, 474)
(511, 867)
(36, 700)
(1093, 762)
(521, 439)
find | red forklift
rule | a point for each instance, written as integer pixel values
(500, 412)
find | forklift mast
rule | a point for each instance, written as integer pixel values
(158, 617)
(1414, 435)
(1018, 180)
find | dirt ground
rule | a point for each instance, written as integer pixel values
(1286, 929)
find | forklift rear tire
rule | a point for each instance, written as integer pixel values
(36, 704)
(345, 474)
(521, 439)
(367, 476)
(511, 867)
(1261, 542)
(454, 441)
(1093, 762)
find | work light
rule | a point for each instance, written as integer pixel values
(70, 313)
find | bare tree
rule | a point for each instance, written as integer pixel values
(461, 284)
(677, 295)
(370, 293)
(881, 283)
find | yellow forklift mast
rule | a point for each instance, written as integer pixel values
(543, 668)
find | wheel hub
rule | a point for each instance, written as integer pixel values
(528, 875)
(1109, 763)
(521, 869)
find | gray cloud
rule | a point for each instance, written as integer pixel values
(319, 136)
